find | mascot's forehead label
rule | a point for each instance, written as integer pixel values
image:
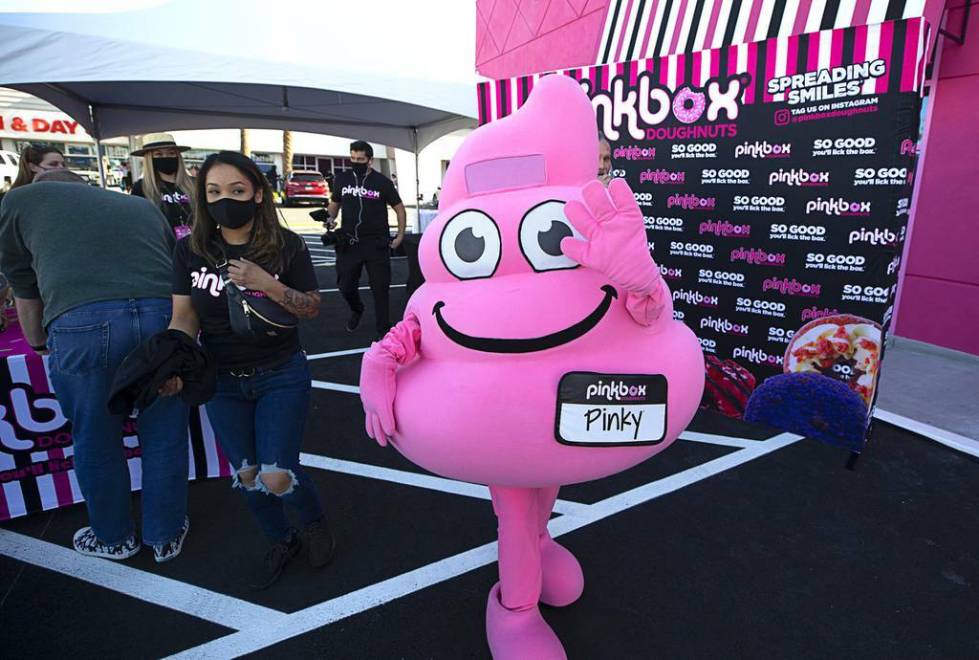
(611, 410)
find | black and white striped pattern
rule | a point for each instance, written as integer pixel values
(639, 29)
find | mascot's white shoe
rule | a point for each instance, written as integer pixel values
(519, 635)
(563, 580)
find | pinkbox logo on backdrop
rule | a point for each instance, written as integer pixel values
(691, 202)
(758, 256)
(792, 287)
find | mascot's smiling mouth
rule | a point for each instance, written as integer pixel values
(490, 345)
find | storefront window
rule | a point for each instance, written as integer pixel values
(196, 157)
(116, 152)
(342, 165)
(79, 150)
(23, 144)
(304, 162)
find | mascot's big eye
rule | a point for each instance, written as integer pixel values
(470, 245)
(541, 231)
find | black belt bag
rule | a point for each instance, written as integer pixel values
(253, 318)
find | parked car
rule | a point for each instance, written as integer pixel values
(304, 186)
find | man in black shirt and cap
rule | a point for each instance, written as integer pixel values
(363, 195)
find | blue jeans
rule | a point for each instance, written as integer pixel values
(259, 421)
(87, 344)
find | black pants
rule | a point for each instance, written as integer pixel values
(375, 254)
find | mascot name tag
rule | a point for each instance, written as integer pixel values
(611, 410)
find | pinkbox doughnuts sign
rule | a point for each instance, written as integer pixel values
(774, 180)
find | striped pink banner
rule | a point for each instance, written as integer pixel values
(624, 32)
(886, 44)
(41, 385)
(836, 55)
(664, 27)
(752, 69)
(860, 52)
(861, 12)
(781, 52)
(712, 22)
(653, 6)
(812, 59)
(678, 26)
(753, 15)
(801, 16)
(792, 57)
(919, 77)
(909, 66)
(771, 51)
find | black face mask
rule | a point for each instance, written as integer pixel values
(165, 164)
(232, 213)
(360, 169)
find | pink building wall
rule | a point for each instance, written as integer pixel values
(939, 300)
(515, 37)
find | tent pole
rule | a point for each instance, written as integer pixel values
(418, 190)
(96, 133)
(98, 154)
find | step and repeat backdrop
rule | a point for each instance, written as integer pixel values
(775, 181)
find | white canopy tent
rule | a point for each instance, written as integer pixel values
(115, 86)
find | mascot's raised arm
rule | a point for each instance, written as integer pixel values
(541, 349)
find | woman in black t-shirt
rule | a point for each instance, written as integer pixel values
(259, 410)
(166, 182)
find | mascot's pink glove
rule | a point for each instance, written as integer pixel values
(616, 245)
(377, 376)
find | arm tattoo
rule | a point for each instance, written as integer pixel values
(303, 305)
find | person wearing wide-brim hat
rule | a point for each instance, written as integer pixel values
(166, 181)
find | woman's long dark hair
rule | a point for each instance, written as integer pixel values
(31, 155)
(267, 238)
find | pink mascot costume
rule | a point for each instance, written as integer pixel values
(541, 349)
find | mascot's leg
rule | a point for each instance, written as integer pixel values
(514, 626)
(563, 580)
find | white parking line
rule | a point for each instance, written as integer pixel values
(165, 592)
(723, 440)
(363, 288)
(352, 351)
(428, 481)
(344, 606)
(335, 387)
(303, 621)
(642, 494)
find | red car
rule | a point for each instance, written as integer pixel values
(306, 187)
